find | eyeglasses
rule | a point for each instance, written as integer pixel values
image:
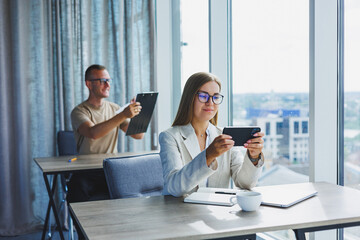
(102, 80)
(204, 97)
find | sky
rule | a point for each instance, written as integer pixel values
(270, 44)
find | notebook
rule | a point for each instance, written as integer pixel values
(212, 196)
(209, 198)
(285, 196)
(140, 123)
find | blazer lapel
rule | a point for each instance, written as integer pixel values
(214, 132)
(215, 178)
(190, 140)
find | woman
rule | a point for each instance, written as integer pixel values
(194, 152)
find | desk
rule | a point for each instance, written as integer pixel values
(60, 165)
(167, 217)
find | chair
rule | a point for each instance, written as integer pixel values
(66, 143)
(134, 176)
(66, 146)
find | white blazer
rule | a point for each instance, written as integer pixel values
(184, 165)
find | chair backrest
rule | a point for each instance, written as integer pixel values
(66, 143)
(134, 176)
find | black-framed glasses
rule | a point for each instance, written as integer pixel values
(102, 80)
(204, 97)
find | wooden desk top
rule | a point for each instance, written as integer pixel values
(167, 217)
(84, 162)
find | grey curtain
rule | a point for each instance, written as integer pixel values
(45, 47)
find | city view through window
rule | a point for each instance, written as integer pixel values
(271, 82)
(270, 49)
(284, 118)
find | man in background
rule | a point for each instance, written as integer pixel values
(96, 123)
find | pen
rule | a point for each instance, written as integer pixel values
(72, 159)
(230, 193)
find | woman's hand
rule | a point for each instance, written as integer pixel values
(255, 145)
(220, 145)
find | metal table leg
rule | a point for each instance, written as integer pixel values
(47, 220)
(299, 234)
(52, 205)
(80, 231)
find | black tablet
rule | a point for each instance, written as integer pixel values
(241, 134)
(140, 123)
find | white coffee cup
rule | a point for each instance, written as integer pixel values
(247, 200)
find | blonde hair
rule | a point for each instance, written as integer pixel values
(186, 107)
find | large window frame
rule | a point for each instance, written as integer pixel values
(326, 80)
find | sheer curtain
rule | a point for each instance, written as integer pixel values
(45, 48)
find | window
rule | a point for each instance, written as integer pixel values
(270, 50)
(304, 126)
(351, 101)
(272, 36)
(296, 127)
(267, 128)
(279, 128)
(194, 35)
(270, 74)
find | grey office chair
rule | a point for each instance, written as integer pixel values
(66, 146)
(134, 176)
(66, 143)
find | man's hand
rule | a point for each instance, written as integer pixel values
(90, 130)
(133, 109)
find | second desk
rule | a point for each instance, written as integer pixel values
(61, 165)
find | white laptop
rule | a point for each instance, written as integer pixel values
(285, 196)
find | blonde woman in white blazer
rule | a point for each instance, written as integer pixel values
(194, 152)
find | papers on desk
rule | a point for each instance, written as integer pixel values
(212, 196)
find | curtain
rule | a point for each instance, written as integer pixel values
(45, 48)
